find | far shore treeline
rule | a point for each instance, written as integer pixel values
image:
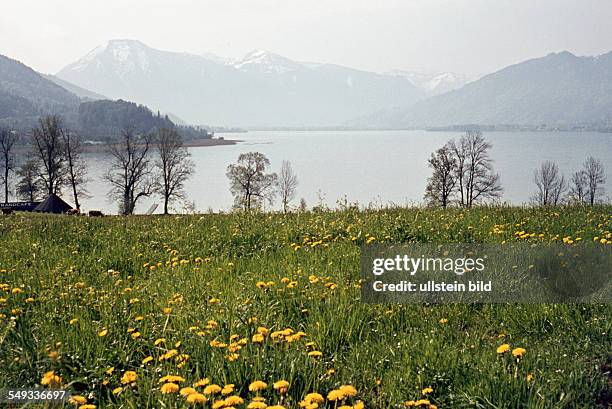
(157, 163)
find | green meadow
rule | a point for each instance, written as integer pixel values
(181, 311)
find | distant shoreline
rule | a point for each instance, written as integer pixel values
(196, 143)
(210, 142)
(433, 129)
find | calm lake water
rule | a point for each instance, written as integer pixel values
(378, 167)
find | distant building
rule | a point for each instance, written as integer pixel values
(53, 204)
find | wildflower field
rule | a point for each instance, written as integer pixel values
(263, 310)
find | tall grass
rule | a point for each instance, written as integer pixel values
(199, 283)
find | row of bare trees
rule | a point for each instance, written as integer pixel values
(53, 162)
(141, 165)
(585, 185)
(253, 186)
(462, 173)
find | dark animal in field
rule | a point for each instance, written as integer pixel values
(7, 211)
(73, 212)
(95, 213)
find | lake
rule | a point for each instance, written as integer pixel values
(368, 167)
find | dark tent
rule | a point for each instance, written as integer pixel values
(53, 204)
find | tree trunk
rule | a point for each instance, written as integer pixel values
(6, 184)
(76, 197)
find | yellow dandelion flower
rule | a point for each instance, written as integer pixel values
(257, 386)
(503, 348)
(186, 391)
(335, 395)
(518, 352)
(282, 386)
(218, 404)
(212, 389)
(234, 400)
(77, 400)
(257, 405)
(169, 388)
(201, 382)
(196, 398)
(172, 378)
(314, 397)
(129, 377)
(348, 390)
(51, 379)
(227, 389)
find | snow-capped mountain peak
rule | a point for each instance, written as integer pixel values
(124, 55)
(435, 83)
(261, 89)
(266, 61)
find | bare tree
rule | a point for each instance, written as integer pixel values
(550, 184)
(442, 183)
(173, 164)
(76, 168)
(8, 139)
(578, 187)
(249, 182)
(595, 177)
(48, 146)
(29, 185)
(130, 170)
(474, 172)
(287, 184)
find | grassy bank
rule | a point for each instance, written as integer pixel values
(112, 305)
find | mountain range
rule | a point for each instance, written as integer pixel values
(262, 89)
(559, 89)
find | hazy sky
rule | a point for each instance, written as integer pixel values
(465, 36)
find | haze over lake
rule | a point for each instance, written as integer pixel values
(380, 167)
